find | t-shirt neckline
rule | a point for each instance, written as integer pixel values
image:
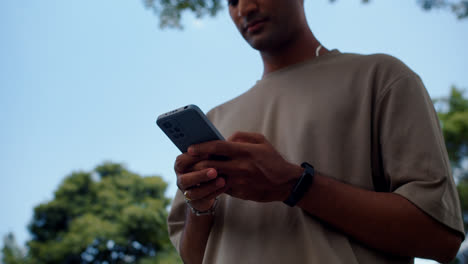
(314, 60)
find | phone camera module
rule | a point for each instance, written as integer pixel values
(167, 125)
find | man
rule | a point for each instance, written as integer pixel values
(378, 190)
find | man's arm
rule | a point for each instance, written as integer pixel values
(201, 188)
(384, 221)
(197, 228)
(194, 237)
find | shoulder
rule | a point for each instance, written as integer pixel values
(378, 69)
(230, 106)
(381, 64)
(382, 72)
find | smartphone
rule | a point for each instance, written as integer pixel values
(186, 126)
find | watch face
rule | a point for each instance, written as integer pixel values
(308, 168)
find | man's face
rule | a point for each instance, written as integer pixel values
(267, 25)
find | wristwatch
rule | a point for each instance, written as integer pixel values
(302, 185)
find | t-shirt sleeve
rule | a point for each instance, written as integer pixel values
(414, 157)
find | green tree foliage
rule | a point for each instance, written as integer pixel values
(458, 7)
(12, 252)
(453, 114)
(170, 11)
(109, 215)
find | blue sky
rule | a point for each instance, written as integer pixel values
(82, 82)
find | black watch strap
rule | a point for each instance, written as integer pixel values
(302, 185)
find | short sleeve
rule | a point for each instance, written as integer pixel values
(414, 157)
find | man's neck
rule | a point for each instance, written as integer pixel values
(299, 50)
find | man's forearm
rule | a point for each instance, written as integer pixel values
(385, 221)
(194, 237)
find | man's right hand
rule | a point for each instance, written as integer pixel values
(200, 187)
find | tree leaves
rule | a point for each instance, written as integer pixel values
(459, 7)
(12, 253)
(454, 118)
(170, 11)
(453, 114)
(109, 215)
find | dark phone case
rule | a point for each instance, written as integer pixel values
(186, 126)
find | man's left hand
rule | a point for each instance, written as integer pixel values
(253, 169)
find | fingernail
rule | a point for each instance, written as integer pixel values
(191, 151)
(211, 173)
(220, 182)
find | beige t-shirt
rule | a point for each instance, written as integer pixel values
(363, 120)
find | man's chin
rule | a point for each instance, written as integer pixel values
(263, 42)
(259, 44)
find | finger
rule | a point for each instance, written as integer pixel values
(192, 179)
(206, 164)
(226, 169)
(206, 190)
(217, 148)
(247, 137)
(184, 163)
